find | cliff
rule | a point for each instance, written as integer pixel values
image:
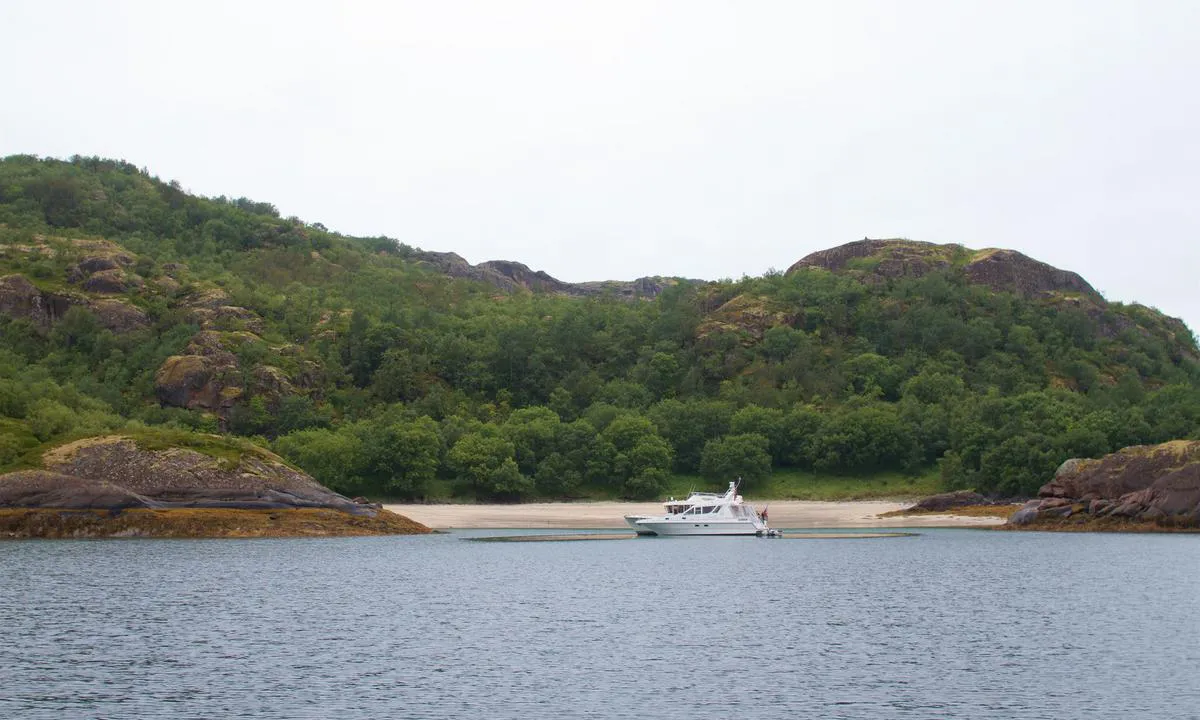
(1146, 487)
(227, 489)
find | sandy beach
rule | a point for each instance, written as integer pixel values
(783, 514)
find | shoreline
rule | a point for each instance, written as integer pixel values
(782, 514)
(76, 523)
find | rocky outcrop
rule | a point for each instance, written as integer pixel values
(207, 298)
(116, 474)
(113, 282)
(947, 501)
(205, 377)
(180, 477)
(1000, 270)
(167, 285)
(119, 316)
(208, 377)
(195, 382)
(230, 317)
(644, 288)
(211, 309)
(1010, 271)
(199, 523)
(456, 266)
(522, 276)
(747, 315)
(1145, 485)
(111, 258)
(21, 299)
(45, 489)
(894, 258)
(512, 276)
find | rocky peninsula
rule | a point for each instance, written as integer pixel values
(129, 486)
(1140, 488)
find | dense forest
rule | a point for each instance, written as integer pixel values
(130, 305)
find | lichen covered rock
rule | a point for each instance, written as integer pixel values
(119, 316)
(21, 299)
(1155, 485)
(114, 486)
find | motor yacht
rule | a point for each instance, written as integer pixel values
(703, 513)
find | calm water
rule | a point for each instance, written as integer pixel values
(950, 624)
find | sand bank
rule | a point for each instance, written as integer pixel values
(782, 514)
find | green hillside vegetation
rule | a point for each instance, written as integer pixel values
(127, 305)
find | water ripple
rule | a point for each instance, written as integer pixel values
(953, 624)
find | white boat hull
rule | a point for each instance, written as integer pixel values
(660, 525)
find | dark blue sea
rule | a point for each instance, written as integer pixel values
(946, 624)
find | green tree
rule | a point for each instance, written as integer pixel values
(49, 418)
(400, 458)
(533, 432)
(767, 422)
(649, 461)
(800, 428)
(508, 483)
(689, 425)
(479, 459)
(733, 457)
(335, 459)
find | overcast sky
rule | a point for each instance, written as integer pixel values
(613, 140)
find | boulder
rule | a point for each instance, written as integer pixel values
(207, 298)
(90, 266)
(1026, 515)
(118, 316)
(167, 284)
(208, 377)
(112, 282)
(232, 317)
(184, 381)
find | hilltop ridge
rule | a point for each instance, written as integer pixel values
(1001, 270)
(509, 275)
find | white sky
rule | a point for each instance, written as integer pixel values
(613, 140)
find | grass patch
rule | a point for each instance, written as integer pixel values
(782, 485)
(802, 485)
(226, 448)
(228, 451)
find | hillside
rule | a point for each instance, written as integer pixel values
(388, 371)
